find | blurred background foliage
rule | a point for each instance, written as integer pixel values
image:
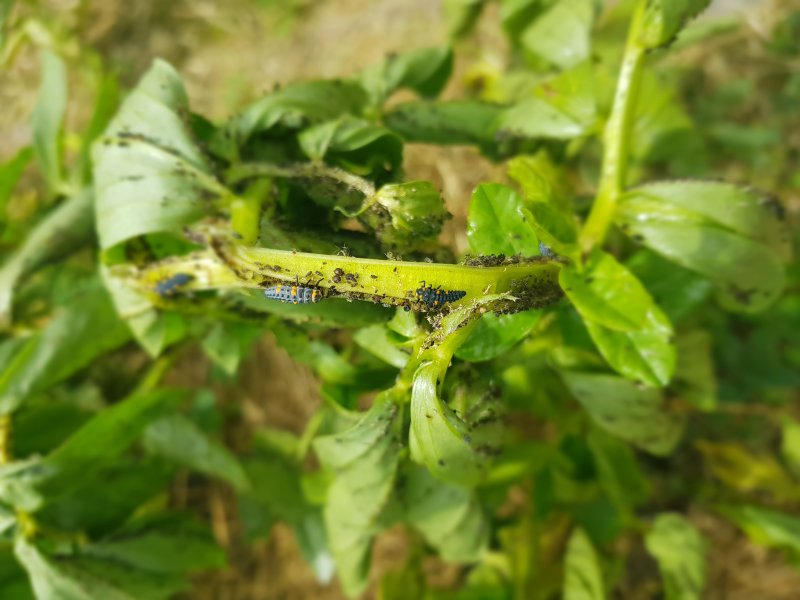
(721, 103)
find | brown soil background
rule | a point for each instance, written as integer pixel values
(228, 53)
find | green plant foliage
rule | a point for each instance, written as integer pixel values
(560, 34)
(78, 334)
(583, 579)
(149, 175)
(66, 228)
(48, 117)
(680, 551)
(629, 329)
(448, 516)
(731, 236)
(627, 410)
(612, 332)
(365, 459)
(663, 19)
(425, 71)
(178, 439)
(771, 528)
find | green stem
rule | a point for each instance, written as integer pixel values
(228, 263)
(300, 171)
(387, 281)
(616, 137)
(159, 369)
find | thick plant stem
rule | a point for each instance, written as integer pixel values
(616, 137)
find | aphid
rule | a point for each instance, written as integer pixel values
(546, 251)
(435, 297)
(168, 288)
(296, 294)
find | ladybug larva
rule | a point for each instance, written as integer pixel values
(296, 294)
(169, 287)
(436, 297)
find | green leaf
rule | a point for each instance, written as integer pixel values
(228, 343)
(732, 236)
(41, 426)
(148, 565)
(496, 334)
(150, 176)
(279, 492)
(438, 438)
(629, 411)
(695, 380)
(663, 132)
(328, 363)
(628, 328)
(516, 15)
(355, 144)
(425, 70)
(14, 583)
(88, 327)
(107, 435)
(740, 468)
(583, 579)
(536, 119)
(680, 551)
(677, 291)
(739, 210)
(296, 105)
(573, 92)
(48, 581)
(618, 472)
(461, 15)
(378, 340)
(560, 36)
(180, 440)
(768, 527)
(451, 122)
(607, 293)
(57, 577)
(105, 105)
(448, 516)
(548, 201)
(99, 442)
(117, 490)
(364, 459)
(407, 582)
(663, 20)
(48, 117)
(646, 355)
(10, 172)
(160, 552)
(153, 329)
(65, 229)
(499, 223)
(540, 178)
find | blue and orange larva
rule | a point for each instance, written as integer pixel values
(436, 297)
(296, 294)
(168, 288)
